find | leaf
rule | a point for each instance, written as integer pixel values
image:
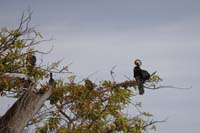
(71, 78)
(153, 127)
(147, 114)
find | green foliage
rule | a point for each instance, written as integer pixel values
(15, 51)
(78, 108)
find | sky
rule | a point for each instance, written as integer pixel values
(95, 35)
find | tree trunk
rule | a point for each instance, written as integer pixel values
(22, 111)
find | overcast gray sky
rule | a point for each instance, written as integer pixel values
(97, 34)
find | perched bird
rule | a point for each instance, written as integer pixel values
(89, 85)
(140, 76)
(1, 92)
(52, 82)
(32, 60)
(30, 64)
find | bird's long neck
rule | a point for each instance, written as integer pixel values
(51, 76)
(137, 66)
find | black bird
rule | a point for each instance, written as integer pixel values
(32, 60)
(1, 92)
(140, 76)
(30, 64)
(52, 82)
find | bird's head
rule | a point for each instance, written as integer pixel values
(138, 62)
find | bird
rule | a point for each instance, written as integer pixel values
(33, 60)
(89, 85)
(140, 76)
(1, 92)
(52, 82)
(30, 64)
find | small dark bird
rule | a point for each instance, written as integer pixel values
(89, 85)
(32, 60)
(140, 76)
(52, 82)
(1, 92)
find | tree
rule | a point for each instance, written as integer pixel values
(65, 106)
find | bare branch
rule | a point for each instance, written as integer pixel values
(151, 123)
(168, 86)
(112, 73)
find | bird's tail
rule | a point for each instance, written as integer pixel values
(140, 85)
(141, 89)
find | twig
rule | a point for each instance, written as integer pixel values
(88, 77)
(112, 73)
(170, 87)
(152, 122)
